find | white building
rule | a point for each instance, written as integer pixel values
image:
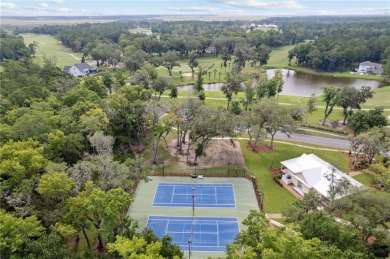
(368, 67)
(82, 69)
(310, 173)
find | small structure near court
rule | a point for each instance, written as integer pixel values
(309, 173)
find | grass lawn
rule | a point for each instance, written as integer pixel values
(364, 178)
(48, 45)
(275, 197)
(381, 98)
(278, 58)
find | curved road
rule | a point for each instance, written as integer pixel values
(329, 142)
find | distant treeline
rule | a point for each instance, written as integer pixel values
(332, 43)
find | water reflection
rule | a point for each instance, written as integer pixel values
(301, 84)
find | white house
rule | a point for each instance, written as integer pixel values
(310, 173)
(368, 67)
(82, 69)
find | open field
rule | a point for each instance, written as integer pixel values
(141, 30)
(275, 197)
(49, 46)
(278, 57)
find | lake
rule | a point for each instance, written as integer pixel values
(302, 84)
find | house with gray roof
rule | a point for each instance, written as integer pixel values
(82, 69)
(368, 67)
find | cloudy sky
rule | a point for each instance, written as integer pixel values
(214, 7)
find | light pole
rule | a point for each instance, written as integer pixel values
(195, 168)
(193, 200)
(189, 248)
(229, 168)
(162, 162)
(261, 197)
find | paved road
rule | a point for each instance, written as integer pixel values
(329, 142)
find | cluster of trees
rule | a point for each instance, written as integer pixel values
(314, 234)
(341, 46)
(355, 224)
(64, 171)
(14, 48)
(350, 100)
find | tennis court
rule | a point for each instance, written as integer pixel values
(205, 233)
(197, 195)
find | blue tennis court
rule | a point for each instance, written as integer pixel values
(204, 195)
(205, 233)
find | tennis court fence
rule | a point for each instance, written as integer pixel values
(209, 172)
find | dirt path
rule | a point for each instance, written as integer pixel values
(73, 56)
(354, 173)
(274, 215)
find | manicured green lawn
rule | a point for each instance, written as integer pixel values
(275, 197)
(278, 58)
(381, 98)
(49, 46)
(364, 178)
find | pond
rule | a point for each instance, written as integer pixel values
(302, 84)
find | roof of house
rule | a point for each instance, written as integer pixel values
(66, 68)
(371, 64)
(315, 173)
(83, 66)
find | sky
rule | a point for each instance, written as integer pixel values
(194, 7)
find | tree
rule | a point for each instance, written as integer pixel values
(361, 121)
(330, 97)
(272, 117)
(169, 61)
(311, 105)
(107, 81)
(263, 54)
(186, 114)
(193, 63)
(268, 87)
(107, 173)
(208, 124)
(250, 95)
(367, 211)
(226, 56)
(101, 143)
(55, 185)
(159, 86)
(95, 84)
(94, 120)
(47, 246)
(19, 161)
(94, 207)
(145, 245)
(382, 175)
(374, 142)
(154, 111)
(242, 53)
(16, 232)
(352, 98)
(231, 86)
